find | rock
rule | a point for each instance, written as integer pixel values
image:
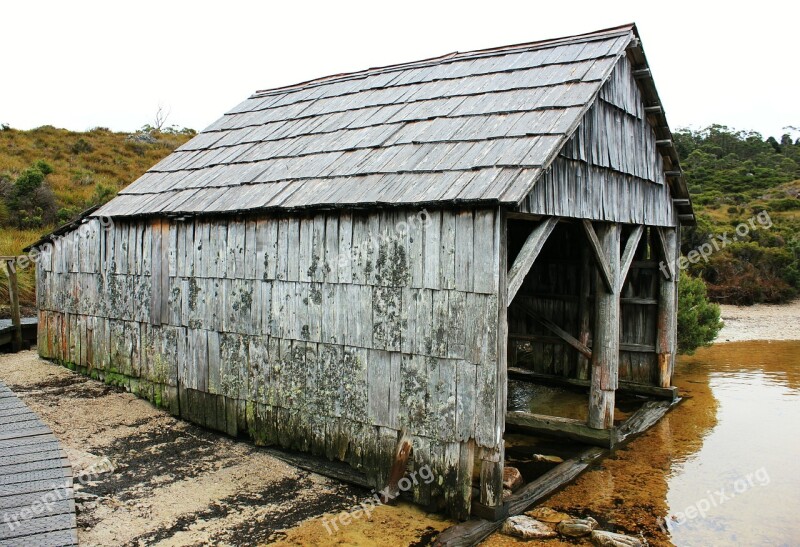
(547, 459)
(610, 539)
(512, 478)
(576, 527)
(546, 514)
(527, 528)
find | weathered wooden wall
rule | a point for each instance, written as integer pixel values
(610, 169)
(326, 333)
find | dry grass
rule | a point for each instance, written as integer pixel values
(12, 242)
(81, 162)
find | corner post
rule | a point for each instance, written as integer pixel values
(667, 324)
(605, 346)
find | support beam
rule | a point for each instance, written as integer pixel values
(555, 329)
(600, 256)
(527, 255)
(668, 393)
(491, 492)
(575, 430)
(666, 319)
(667, 253)
(629, 253)
(13, 293)
(605, 346)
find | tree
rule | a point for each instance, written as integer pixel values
(30, 201)
(698, 318)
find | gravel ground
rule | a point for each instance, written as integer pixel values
(172, 483)
(760, 322)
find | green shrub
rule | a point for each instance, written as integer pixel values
(698, 318)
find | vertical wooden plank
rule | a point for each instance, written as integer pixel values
(447, 251)
(433, 229)
(167, 262)
(484, 273)
(345, 254)
(379, 389)
(500, 326)
(605, 348)
(250, 250)
(463, 250)
(318, 267)
(304, 249)
(667, 311)
(155, 260)
(282, 262)
(416, 247)
(331, 257)
(293, 249)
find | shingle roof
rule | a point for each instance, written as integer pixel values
(462, 128)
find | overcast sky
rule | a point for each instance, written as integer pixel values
(81, 64)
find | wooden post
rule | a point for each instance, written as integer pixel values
(584, 320)
(13, 293)
(491, 491)
(605, 347)
(666, 338)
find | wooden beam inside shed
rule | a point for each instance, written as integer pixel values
(629, 253)
(527, 255)
(668, 393)
(575, 430)
(600, 256)
(555, 329)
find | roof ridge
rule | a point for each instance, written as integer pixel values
(452, 57)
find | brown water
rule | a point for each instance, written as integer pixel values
(737, 427)
(742, 486)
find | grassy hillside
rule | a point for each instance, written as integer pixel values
(746, 194)
(86, 168)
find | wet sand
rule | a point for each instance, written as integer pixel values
(760, 322)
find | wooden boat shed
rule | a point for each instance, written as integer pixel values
(339, 264)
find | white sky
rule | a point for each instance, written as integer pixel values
(82, 64)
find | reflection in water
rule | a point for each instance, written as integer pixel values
(739, 416)
(746, 477)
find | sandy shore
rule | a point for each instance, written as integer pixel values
(760, 322)
(174, 483)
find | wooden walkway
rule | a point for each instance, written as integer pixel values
(29, 325)
(36, 498)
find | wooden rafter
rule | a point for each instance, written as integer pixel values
(629, 253)
(599, 255)
(527, 255)
(666, 253)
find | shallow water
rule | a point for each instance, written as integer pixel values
(742, 486)
(740, 417)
